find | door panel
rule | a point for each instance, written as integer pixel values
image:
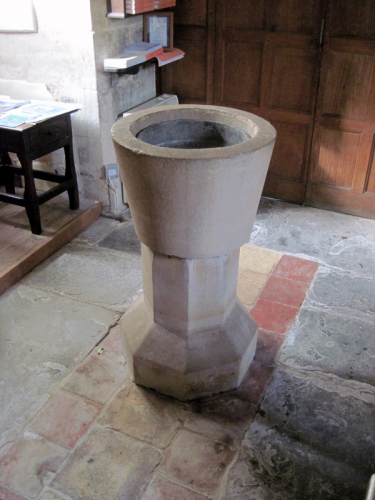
(342, 170)
(348, 84)
(370, 178)
(238, 71)
(293, 78)
(269, 65)
(337, 158)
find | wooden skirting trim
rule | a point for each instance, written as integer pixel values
(50, 245)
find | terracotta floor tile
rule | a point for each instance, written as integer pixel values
(273, 316)
(294, 268)
(224, 418)
(65, 419)
(162, 489)
(28, 462)
(107, 465)
(145, 415)
(96, 378)
(197, 461)
(284, 291)
(53, 495)
(6, 494)
(258, 259)
(254, 383)
(268, 346)
(249, 286)
(112, 347)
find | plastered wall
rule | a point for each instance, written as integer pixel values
(66, 55)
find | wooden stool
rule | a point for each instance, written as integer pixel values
(30, 142)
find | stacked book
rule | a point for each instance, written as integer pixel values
(163, 4)
(138, 6)
(134, 54)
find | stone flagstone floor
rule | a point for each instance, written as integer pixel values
(300, 426)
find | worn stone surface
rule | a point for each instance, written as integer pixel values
(339, 240)
(96, 378)
(197, 461)
(276, 466)
(268, 346)
(123, 238)
(162, 489)
(29, 462)
(320, 340)
(108, 465)
(97, 231)
(338, 425)
(92, 275)
(254, 383)
(343, 293)
(65, 419)
(144, 415)
(42, 336)
(224, 418)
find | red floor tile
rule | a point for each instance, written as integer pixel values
(254, 383)
(268, 346)
(5, 494)
(96, 378)
(111, 347)
(272, 315)
(294, 268)
(162, 489)
(65, 419)
(285, 291)
(28, 462)
(197, 461)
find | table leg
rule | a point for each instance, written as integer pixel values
(70, 172)
(30, 195)
(8, 178)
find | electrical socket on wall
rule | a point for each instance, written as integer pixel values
(111, 171)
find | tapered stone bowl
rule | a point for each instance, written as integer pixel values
(193, 176)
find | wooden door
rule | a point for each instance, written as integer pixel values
(267, 61)
(342, 175)
(191, 78)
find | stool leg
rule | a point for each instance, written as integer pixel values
(30, 196)
(70, 170)
(8, 177)
(70, 173)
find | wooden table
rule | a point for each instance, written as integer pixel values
(30, 142)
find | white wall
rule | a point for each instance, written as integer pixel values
(66, 54)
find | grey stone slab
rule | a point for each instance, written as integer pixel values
(335, 424)
(123, 239)
(97, 231)
(42, 336)
(94, 275)
(336, 239)
(319, 340)
(275, 466)
(343, 293)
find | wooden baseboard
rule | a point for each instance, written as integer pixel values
(44, 249)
